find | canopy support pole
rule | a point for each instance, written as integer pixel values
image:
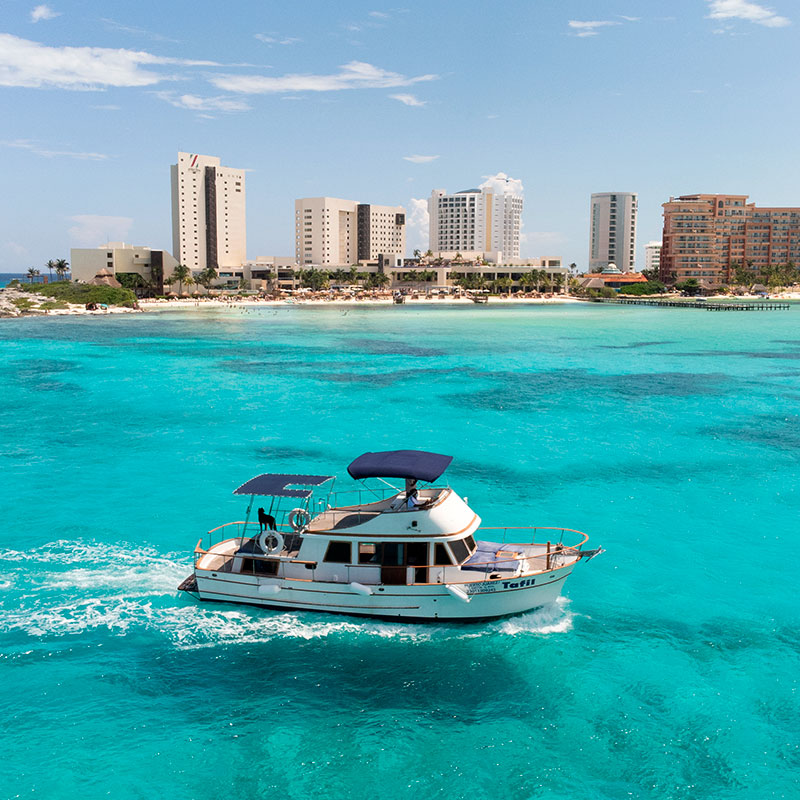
(247, 517)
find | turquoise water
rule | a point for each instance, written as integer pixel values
(670, 669)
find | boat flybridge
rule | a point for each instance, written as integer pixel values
(409, 553)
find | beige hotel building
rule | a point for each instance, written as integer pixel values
(208, 213)
(330, 231)
(706, 236)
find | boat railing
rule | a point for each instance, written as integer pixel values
(548, 531)
(240, 529)
(561, 548)
(349, 498)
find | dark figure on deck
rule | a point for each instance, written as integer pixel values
(265, 521)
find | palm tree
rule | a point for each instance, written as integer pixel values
(51, 265)
(417, 254)
(206, 277)
(60, 267)
(179, 274)
(32, 273)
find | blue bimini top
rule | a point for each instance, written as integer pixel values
(275, 485)
(409, 464)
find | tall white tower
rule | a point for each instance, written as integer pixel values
(612, 237)
(208, 213)
(475, 220)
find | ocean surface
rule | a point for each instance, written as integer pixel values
(670, 669)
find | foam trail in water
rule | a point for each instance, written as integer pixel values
(125, 582)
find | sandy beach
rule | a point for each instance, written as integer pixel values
(39, 305)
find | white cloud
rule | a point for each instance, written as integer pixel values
(408, 99)
(157, 37)
(379, 14)
(92, 230)
(16, 248)
(33, 65)
(629, 19)
(502, 184)
(355, 75)
(748, 11)
(43, 12)
(417, 224)
(274, 38)
(25, 144)
(192, 102)
(420, 159)
(589, 28)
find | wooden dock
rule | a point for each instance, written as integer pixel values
(756, 305)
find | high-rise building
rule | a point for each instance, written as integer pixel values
(208, 213)
(332, 231)
(652, 256)
(613, 231)
(479, 220)
(707, 236)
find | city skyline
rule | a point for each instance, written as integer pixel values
(380, 102)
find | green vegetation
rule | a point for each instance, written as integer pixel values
(53, 305)
(22, 303)
(180, 275)
(691, 286)
(82, 293)
(606, 291)
(651, 287)
(315, 279)
(772, 276)
(206, 277)
(131, 280)
(61, 268)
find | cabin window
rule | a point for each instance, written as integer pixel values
(470, 543)
(441, 556)
(417, 554)
(392, 554)
(259, 566)
(338, 552)
(367, 553)
(459, 550)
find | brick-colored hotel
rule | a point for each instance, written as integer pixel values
(706, 236)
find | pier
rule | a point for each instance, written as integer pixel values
(757, 305)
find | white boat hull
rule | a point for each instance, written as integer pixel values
(453, 601)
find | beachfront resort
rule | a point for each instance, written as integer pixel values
(350, 251)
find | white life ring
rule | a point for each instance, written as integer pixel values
(270, 542)
(299, 519)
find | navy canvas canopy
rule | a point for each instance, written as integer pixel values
(275, 485)
(414, 464)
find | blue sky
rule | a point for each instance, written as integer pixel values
(382, 104)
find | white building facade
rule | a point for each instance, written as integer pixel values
(612, 238)
(208, 213)
(652, 256)
(475, 220)
(330, 231)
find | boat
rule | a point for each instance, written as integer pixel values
(416, 551)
